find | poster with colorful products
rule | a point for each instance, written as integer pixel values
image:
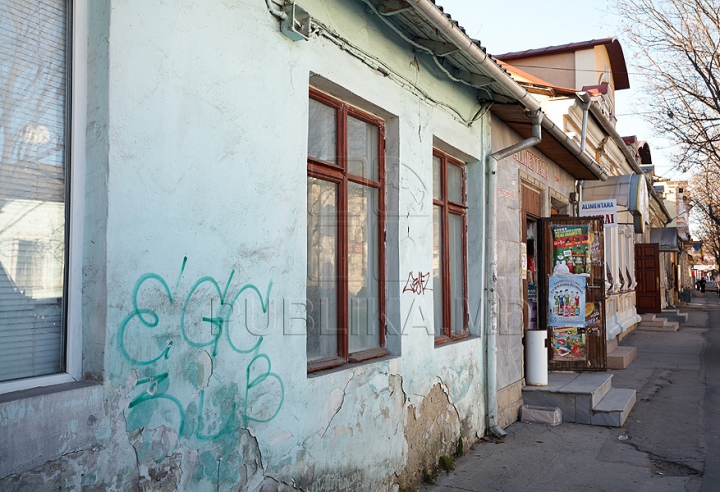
(568, 343)
(571, 249)
(566, 300)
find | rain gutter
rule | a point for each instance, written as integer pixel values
(610, 128)
(438, 20)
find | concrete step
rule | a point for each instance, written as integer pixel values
(613, 410)
(577, 394)
(659, 326)
(648, 317)
(674, 315)
(621, 357)
(612, 345)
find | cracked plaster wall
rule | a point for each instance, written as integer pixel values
(198, 332)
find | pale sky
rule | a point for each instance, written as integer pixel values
(508, 26)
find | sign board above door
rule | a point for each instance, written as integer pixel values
(603, 208)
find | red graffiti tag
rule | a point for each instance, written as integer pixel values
(417, 285)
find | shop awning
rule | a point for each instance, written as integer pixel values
(630, 191)
(666, 237)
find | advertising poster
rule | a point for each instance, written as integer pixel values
(592, 318)
(568, 343)
(571, 249)
(566, 301)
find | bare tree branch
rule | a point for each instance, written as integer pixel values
(678, 42)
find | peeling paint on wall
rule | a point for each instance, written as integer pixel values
(431, 430)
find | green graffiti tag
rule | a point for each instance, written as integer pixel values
(151, 394)
(226, 428)
(148, 339)
(255, 382)
(140, 313)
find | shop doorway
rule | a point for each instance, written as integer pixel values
(531, 211)
(571, 298)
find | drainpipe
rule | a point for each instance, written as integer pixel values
(491, 322)
(578, 197)
(536, 117)
(586, 101)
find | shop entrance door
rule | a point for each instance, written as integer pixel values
(531, 210)
(572, 298)
(647, 273)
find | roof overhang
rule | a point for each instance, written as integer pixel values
(667, 238)
(630, 191)
(514, 116)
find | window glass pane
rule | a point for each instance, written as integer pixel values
(363, 268)
(322, 132)
(32, 186)
(455, 183)
(437, 270)
(437, 178)
(457, 267)
(362, 149)
(321, 290)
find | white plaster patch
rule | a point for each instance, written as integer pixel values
(204, 370)
(279, 437)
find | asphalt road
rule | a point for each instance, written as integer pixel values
(670, 442)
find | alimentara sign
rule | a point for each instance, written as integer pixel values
(604, 208)
(532, 162)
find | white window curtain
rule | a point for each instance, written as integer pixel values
(33, 123)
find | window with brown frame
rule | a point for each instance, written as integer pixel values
(345, 234)
(449, 248)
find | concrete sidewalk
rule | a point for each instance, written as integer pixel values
(660, 448)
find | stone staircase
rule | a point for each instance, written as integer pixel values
(620, 356)
(659, 322)
(584, 398)
(673, 315)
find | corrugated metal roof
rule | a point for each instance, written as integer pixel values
(412, 25)
(418, 26)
